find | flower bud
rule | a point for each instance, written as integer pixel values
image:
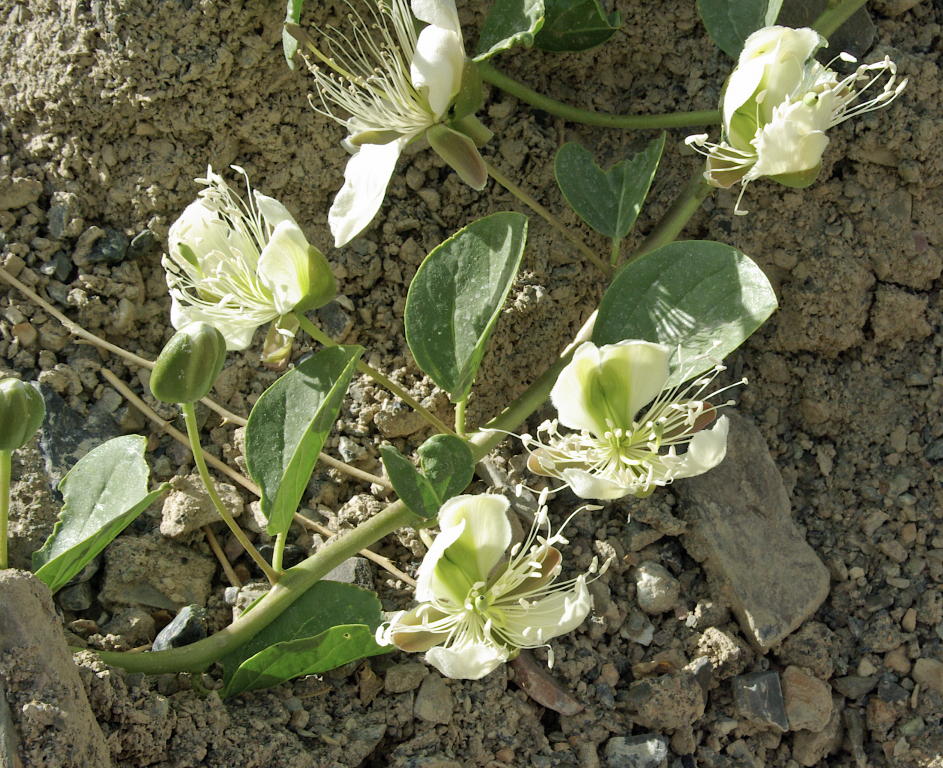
(21, 413)
(189, 365)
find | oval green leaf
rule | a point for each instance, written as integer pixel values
(575, 25)
(447, 468)
(288, 426)
(608, 201)
(103, 494)
(704, 297)
(456, 297)
(510, 22)
(730, 22)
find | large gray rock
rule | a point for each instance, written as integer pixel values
(48, 708)
(740, 528)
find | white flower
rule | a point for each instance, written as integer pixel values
(777, 106)
(396, 87)
(478, 609)
(238, 265)
(619, 449)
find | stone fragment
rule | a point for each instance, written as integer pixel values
(109, 249)
(667, 702)
(929, 673)
(645, 751)
(135, 626)
(399, 420)
(855, 686)
(885, 709)
(58, 267)
(727, 657)
(334, 321)
(40, 689)
(188, 507)
(740, 527)
(808, 700)
(703, 671)
(543, 687)
(655, 588)
(812, 647)
(18, 193)
(76, 598)
(759, 698)
(149, 570)
(434, 701)
(637, 536)
(188, 627)
(810, 748)
(881, 635)
(404, 677)
(142, 244)
(354, 570)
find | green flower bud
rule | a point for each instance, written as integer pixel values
(189, 365)
(21, 413)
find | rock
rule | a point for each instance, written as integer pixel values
(881, 635)
(362, 742)
(727, 657)
(18, 193)
(142, 244)
(929, 673)
(855, 686)
(188, 627)
(64, 216)
(135, 626)
(740, 527)
(543, 687)
(637, 536)
(645, 751)
(885, 709)
(77, 598)
(639, 629)
(48, 707)
(667, 702)
(811, 647)
(811, 747)
(188, 507)
(58, 267)
(334, 321)
(354, 570)
(246, 596)
(399, 420)
(434, 701)
(808, 700)
(404, 677)
(759, 699)
(291, 556)
(149, 570)
(656, 589)
(110, 248)
(703, 671)
(894, 7)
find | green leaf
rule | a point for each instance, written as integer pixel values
(289, 44)
(731, 22)
(456, 296)
(510, 22)
(609, 202)
(103, 493)
(288, 426)
(447, 469)
(575, 25)
(693, 294)
(328, 626)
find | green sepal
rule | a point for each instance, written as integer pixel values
(798, 179)
(472, 94)
(472, 127)
(190, 363)
(460, 152)
(21, 413)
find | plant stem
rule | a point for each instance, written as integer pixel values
(5, 463)
(677, 216)
(833, 18)
(552, 220)
(614, 258)
(318, 335)
(293, 584)
(194, 434)
(632, 122)
(278, 554)
(460, 418)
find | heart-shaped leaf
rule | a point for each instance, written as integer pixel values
(609, 202)
(447, 469)
(731, 22)
(288, 426)
(456, 296)
(328, 626)
(575, 25)
(510, 22)
(704, 297)
(103, 494)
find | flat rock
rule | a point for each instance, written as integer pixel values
(434, 701)
(18, 193)
(667, 702)
(404, 677)
(808, 700)
(188, 627)
(543, 687)
(740, 527)
(645, 751)
(759, 698)
(188, 507)
(48, 708)
(929, 673)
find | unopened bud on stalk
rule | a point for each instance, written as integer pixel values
(189, 365)
(21, 413)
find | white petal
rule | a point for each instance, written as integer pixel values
(589, 486)
(785, 146)
(283, 266)
(273, 211)
(569, 393)
(179, 313)
(642, 370)
(440, 13)
(564, 611)
(486, 535)
(438, 65)
(365, 181)
(201, 230)
(706, 450)
(428, 586)
(238, 334)
(470, 662)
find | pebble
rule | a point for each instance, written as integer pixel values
(854, 686)
(639, 629)
(354, 570)
(434, 701)
(726, 656)
(399, 420)
(76, 598)
(929, 673)
(703, 671)
(110, 248)
(188, 626)
(898, 660)
(334, 321)
(667, 702)
(404, 677)
(188, 507)
(759, 699)
(881, 635)
(135, 626)
(58, 267)
(807, 699)
(812, 647)
(142, 244)
(543, 687)
(18, 193)
(645, 751)
(656, 589)
(810, 748)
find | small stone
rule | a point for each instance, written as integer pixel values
(354, 570)
(89, 570)
(399, 420)
(350, 450)
(404, 677)
(656, 589)
(727, 657)
(759, 698)
(703, 671)
(58, 267)
(866, 668)
(929, 673)
(77, 598)
(434, 701)
(898, 660)
(18, 193)
(292, 554)
(885, 709)
(109, 249)
(135, 626)
(667, 702)
(246, 596)
(543, 687)
(638, 536)
(808, 700)
(334, 321)
(188, 626)
(881, 635)
(811, 647)
(188, 507)
(142, 244)
(810, 748)
(639, 629)
(854, 686)
(645, 751)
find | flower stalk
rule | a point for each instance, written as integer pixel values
(5, 467)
